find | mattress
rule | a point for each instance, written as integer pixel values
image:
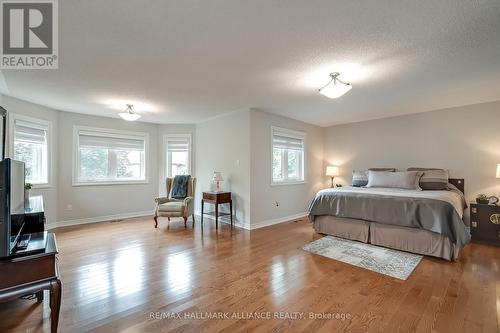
(437, 212)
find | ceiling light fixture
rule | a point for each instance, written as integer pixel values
(129, 114)
(335, 88)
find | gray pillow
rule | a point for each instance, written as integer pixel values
(404, 179)
(433, 179)
(359, 178)
(383, 169)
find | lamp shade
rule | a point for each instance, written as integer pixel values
(335, 89)
(498, 170)
(217, 176)
(129, 114)
(332, 171)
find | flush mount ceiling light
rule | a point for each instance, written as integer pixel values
(129, 114)
(335, 88)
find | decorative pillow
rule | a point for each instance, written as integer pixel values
(433, 179)
(359, 178)
(404, 179)
(383, 169)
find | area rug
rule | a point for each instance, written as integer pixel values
(397, 264)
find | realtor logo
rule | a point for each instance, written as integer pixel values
(29, 34)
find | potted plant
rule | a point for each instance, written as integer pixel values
(482, 199)
(27, 190)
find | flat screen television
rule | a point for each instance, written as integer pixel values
(11, 204)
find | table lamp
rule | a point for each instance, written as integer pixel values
(332, 171)
(498, 170)
(217, 178)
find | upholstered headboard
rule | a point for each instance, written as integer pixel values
(459, 183)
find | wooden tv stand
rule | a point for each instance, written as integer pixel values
(27, 272)
(22, 275)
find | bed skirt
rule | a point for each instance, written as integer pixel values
(399, 238)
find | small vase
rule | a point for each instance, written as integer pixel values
(27, 194)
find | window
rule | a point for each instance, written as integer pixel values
(287, 156)
(109, 156)
(30, 144)
(178, 154)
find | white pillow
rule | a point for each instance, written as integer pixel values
(403, 179)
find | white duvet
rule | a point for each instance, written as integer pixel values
(452, 197)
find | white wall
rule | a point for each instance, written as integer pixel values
(103, 200)
(13, 105)
(88, 202)
(223, 144)
(465, 140)
(293, 200)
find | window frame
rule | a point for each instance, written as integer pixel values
(42, 122)
(187, 136)
(111, 133)
(296, 135)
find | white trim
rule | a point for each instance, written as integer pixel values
(111, 133)
(222, 115)
(297, 135)
(111, 182)
(224, 219)
(164, 154)
(106, 218)
(278, 220)
(50, 147)
(252, 226)
(298, 182)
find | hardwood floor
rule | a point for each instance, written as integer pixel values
(117, 276)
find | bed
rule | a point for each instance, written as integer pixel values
(424, 222)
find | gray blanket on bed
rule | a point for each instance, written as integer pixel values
(428, 214)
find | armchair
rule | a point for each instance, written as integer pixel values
(170, 207)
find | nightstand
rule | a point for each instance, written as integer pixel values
(485, 223)
(217, 198)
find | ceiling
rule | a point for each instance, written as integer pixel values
(190, 60)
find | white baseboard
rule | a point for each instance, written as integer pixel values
(222, 219)
(278, 220)
(261, 224)
(227, 220)
(106, 218)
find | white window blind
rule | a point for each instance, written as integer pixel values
(28, 132)
(178, 152)
(108, 156)
(287, 156)
(98, 140)
(31, 145)
(284, 141)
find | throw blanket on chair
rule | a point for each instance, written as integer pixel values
(180, 186)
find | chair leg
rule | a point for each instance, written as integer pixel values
(156, 221)
(193, 220)
(185, 221)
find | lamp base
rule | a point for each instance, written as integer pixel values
(331, 186)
